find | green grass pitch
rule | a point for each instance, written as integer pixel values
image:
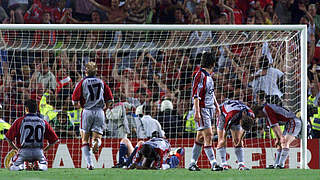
(172, 174)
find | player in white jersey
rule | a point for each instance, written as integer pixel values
(276, 115)
(236, 117)
(205, 107)
(26, 136)
(93, 95)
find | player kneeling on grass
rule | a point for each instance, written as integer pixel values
(237, 117)
(29, 132)
(276, 115)
(152, 154)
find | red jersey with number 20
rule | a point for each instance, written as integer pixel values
(30, 131)
(92, 93)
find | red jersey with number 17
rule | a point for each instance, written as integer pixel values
(92, 93)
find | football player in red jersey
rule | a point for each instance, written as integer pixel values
(276, 115)
(93, 95)
(236, 117)
(26, 136)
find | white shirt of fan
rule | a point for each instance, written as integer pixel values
(268, 82)
(150, 125)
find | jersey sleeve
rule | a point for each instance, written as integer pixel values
(49, 134)
(251, 113)
(77, 93)
(161, 132)
(197, 85)
(107, 93)
(137, 158)
(271, 116)
(14, 130)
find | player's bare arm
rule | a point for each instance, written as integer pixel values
(49, 146)
(218, 111)
(197, 115)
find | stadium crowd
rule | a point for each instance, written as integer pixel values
(161, 79)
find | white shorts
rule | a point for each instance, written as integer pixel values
(28, 154)
(293, 127)
(206, 120)
(93, 121)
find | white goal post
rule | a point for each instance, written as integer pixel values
(231, 32)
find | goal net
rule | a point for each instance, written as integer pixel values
(150, 65)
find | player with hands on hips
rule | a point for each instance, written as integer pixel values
(26, 136)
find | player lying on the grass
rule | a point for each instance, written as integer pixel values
(26, 137)
(152, 154)
(235, 117)
(275, 116)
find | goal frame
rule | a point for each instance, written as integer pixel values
(139, 27)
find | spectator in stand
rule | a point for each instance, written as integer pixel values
(238, 15)
(170, 120)
(268, 14)
(64, 86)
(200, 37)
(259, 13)
(282, 10)
(118, 124)
(33, 15)
(182, 14)
(312, 9)
(3, 13)
(19, 7)
(251, 20)
(137, 12)
(151, 126)
(298, 8)
(308, 20)
(270, 80)
(116, 14)
(83, 9)
(62, 126)
(45, 76)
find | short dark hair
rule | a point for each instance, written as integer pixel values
(256, 108)
(264, 62)
(208, 60)
(31, 105)
(148, 152)
(147, 109)
(247, 121)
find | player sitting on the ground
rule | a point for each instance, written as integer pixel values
(275, 116)
(26, 137)
(157, 147)
(237, 117)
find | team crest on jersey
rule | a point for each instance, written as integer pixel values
(8, 158)
(210, 91)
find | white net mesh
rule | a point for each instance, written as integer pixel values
(140, 67)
